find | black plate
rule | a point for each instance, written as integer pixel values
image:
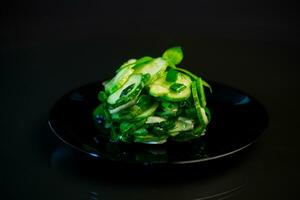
(237, 121)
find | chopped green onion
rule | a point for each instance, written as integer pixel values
(177, 87)
(201, 92)
(197, 104)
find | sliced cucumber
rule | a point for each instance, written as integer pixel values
(150, 139)
(127, 64)
(122, 107)
(180, 96)
(119, 80)
(147, 112)
(118, 98)
(154, 68)
(155, 119)
(158, 90)
(143, 60)
(127, 114)
(168, 109)
(161, 88)
(182, 124)
(174, 133)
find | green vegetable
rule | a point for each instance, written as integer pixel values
(173, 55)
(182, 124)
(168, 109)
(150, 139)
(155, 119)
(177, 87)
(193, 76)
(208, 114)
(151, 99)
(201, 92)
(118, 81)
(141, 132)
(200, 111)
(126, 114)
(148, 112)
(172, 75)
(154, 68)
(119, 98)
(102, 96)
(143, 60)
(144, 101)
(161, 88)
(128, 64)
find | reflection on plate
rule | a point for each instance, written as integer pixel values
(237, 121)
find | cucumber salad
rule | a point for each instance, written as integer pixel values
(152, 100)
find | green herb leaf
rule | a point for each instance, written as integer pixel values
(102, 96)
(173, 55)
(125, 127)
(191, 112)
(146, 78)
(144, 102)
(141, 131)
(172, 75)
(169, 106)
(168, 109)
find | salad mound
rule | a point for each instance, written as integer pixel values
(151, 100)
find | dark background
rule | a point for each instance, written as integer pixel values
(51, 47)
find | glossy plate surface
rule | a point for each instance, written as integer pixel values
(237, 121)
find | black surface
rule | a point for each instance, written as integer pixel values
(51, 47)
(237, 121)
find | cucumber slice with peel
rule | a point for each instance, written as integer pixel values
(122, 107)
(182, 124)
(150, 139)
(127, 64)
(118, 81)
(147, 112)
(155, 119)
(118, 98)
(154, 68)
(161, 88)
